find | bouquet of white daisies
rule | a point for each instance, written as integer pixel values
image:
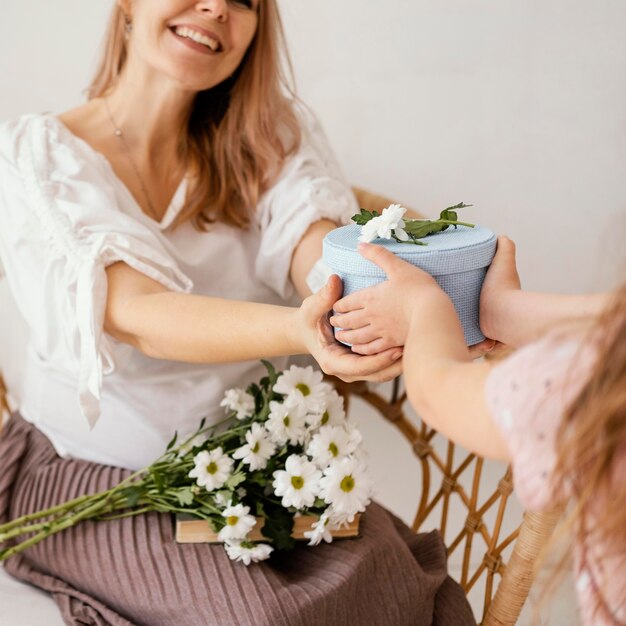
(285, 449)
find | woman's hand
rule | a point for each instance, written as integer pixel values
(377, 318)
(332, 357)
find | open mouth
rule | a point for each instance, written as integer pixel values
(189, 35)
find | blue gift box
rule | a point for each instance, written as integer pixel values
(457, 258)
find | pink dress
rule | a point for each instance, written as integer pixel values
(527, 395)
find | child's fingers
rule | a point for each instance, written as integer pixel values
(354, 302)
(362, 335)
(394, 266)
(372, 347)
(352, 320)
(386, 260)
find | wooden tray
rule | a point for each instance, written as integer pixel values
(192, 530)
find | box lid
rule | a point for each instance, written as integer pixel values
(452, 251)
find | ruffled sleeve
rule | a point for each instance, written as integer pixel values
(59, 229)
(309, 188)
(527, 395)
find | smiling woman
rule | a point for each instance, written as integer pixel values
(154, 239)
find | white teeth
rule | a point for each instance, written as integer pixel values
(209, 42)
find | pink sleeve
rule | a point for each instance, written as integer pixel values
(527, 395)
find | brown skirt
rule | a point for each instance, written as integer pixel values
(130, 571)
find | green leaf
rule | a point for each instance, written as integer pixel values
(236, 479)
(185, 496)
(133, 494)
(273, 376)
(170, 445)
(364, 217)
(224, 494)
(450, 212)
(278, 528)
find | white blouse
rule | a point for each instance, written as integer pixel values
(65, 216)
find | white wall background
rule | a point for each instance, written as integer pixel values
(516, 107)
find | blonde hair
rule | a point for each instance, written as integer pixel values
(239, 133)
(590, 442)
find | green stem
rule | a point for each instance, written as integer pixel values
(456, 223)
(64, 507)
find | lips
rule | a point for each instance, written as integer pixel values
(197, 37)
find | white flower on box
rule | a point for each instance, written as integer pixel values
(346, 486)
(258, 449)
(298, 483)
(239, 522)
(331, 413)
(383, 225)
(320, 530)
(212, 469)
(330, 444)
(285, 423)
(239, 401)
(303, 388)
(248, 552)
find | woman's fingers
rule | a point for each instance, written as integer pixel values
(340, 361)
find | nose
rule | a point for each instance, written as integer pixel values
(217, 9)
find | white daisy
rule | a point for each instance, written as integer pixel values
(285, 424)
(239, 401)
(330, 444)
(346, 486)
(239, 522)
(320, 530)
(298, 483)
(331, 413)
(258, 449)
(248, 552)
(212, 468)
(303, 388)
(337, 520)
(383, 225)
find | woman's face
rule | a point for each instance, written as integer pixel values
(198, 44)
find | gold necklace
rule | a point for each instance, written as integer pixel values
(120, 135)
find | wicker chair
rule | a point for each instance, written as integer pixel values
(503, 599)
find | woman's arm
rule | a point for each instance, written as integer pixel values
(198, 329)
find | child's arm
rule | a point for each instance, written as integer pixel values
(444, 386)
(515, 317)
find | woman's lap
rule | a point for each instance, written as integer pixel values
(131, 571)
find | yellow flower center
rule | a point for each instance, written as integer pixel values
(347, 484)
(333, 449)
(232, 520)
(303, 389)
(297, 482)
(256, 447)
(211, 468)
(325, 418)
(286, 421)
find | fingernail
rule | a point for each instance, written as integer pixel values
(396, 355)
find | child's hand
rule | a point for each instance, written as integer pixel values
(377, 318)
(332, 357)
(502, 279)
